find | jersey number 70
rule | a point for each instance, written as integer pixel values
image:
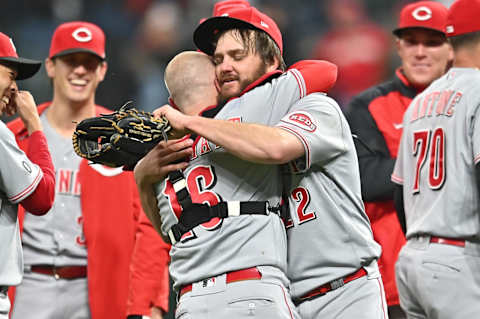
(433, 145)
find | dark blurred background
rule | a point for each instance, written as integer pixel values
(142, 36)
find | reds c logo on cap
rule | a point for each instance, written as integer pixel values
(82, 34)
(422, 13)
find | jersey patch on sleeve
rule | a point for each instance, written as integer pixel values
(301, 120)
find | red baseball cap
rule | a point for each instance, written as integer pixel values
(78, 36)
(242, 18)
(463, 17)
(222, 7)
(423, 14)
(26, 68)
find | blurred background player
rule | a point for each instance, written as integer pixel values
(27, 178)
(438, 172)
(77, 257)
(375, 116)
(356, 44)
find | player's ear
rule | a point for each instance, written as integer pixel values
(102, 70)
(50, 67)
(451, 53)
(273, 65)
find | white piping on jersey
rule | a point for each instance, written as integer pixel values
(23, 194)
(300, 81)
(397, 179)
(304, 142)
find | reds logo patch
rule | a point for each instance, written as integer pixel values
(303, 121)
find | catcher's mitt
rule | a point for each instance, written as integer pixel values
(121, 138)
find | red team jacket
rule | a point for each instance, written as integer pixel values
(375, 116)
(113, 221)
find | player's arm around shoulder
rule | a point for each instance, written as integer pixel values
(320, 126)
(252, 142)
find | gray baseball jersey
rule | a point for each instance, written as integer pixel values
(438, 151)
(57, 237)
(436, 161)
(329, 236)
(214, 175)
(19, 177)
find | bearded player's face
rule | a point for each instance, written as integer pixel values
(425, 55)
(236, 66)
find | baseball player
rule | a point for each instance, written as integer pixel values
(375, 116)
(241, 256)
(323, 169)
(25, 178)
(232, 138)
(439, 179)
(77, 265)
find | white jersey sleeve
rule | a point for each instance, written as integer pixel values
(397, 175)
(18, 175)
(314, 114)
(475, 127)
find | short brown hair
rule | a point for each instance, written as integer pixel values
(260, 42)
(465, 40)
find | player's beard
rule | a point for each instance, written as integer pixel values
(243, 83)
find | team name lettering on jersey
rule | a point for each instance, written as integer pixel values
(436, 104)
(80, 239)
(202, 146)
(67, 182)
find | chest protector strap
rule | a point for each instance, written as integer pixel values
(180, 187)
(201, 213)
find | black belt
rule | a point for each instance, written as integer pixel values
(198, 214)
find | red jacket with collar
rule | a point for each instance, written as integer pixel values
(376, 116)
(111, 212)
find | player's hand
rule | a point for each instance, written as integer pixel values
(23, 103)
(157, 313)
(177, 119)
(164, 158)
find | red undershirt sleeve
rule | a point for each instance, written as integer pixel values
(41, 200)
(319, 75)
